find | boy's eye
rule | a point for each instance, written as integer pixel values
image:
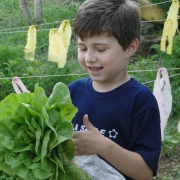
(82, 49)
(101, 50)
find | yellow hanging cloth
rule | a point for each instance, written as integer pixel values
(31, 44)
(170, 27)
(65, 32)
(54, 47)
(59, 41)
(150, 11)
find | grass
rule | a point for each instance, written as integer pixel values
(13, 37)
(12, 63)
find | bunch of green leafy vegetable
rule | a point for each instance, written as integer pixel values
(35, 135)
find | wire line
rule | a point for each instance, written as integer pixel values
(62, 75)
(150, 4)
(34, 25)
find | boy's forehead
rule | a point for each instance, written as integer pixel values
(96, 38)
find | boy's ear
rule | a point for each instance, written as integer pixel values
(132, 47)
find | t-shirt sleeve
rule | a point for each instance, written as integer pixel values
(146, 137)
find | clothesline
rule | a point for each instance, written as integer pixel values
(149, 70)
(63, 75)
(150, 4)
(169, 77)
(73, 19)
(58, 22)
(158, 20)
(10, 32)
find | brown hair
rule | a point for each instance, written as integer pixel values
(120, 18)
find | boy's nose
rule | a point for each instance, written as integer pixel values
(90, 57)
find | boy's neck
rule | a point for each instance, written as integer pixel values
(109, 86)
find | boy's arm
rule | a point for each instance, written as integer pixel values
(128, 162)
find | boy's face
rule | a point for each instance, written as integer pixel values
(103, 58)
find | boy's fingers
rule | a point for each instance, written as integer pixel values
(75, 135)
(87, 123)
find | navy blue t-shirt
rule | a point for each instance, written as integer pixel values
(128, 115)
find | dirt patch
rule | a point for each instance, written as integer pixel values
(169, 168)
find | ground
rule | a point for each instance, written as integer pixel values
(169, 168)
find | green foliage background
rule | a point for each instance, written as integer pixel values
(12, 63)
(12, 42)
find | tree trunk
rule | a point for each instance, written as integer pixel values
(25, 11)
(38, 14)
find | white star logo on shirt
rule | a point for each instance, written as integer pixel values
(113, 134)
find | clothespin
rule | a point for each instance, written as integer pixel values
(17, 83)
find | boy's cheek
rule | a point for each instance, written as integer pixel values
(80, 59)
(82, 63)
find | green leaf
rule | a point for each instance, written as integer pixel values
(20, 145)
(48, 164)
(22, 171)
(11, 102)
(69, 149)
(29, 126)
(68, 111)
(45, 144)
(28, 137)
(54, 116)
(26, 134)
(30, 176)
(46, 118)
(16, 125)
(31, 165)
(11, 159)
(59, 161)
(35, 125)
(60, 95)
(40, 98)
(3, 166)
(37, 143)
(29, 113)
(42, 174)
(37, 158)
(6, 136)
(64, 132)
(57, 174)
(73, 171)
(27, 159)
(52, 141)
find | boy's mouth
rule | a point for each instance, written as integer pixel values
(95, 68)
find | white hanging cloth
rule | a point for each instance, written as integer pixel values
(162, 92)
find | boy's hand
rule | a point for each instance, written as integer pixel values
(88, 142)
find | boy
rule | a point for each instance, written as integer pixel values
(118, 118)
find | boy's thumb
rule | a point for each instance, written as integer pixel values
(87, 123)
